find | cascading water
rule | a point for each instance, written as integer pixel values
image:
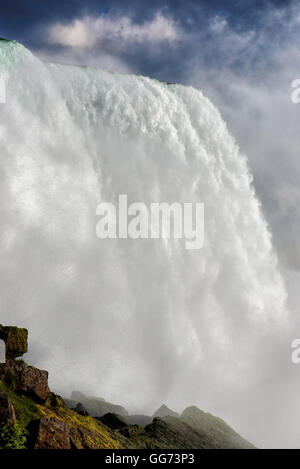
(140, 322)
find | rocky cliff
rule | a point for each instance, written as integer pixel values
(33, 417)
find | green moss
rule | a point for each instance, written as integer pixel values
(20, 360)
(25, 408)
(16, 341)
(86, 432)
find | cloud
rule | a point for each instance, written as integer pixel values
(88, 31)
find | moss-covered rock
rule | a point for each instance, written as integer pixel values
(25, 409)
(32, 410)
(16, 341)
(85, 432)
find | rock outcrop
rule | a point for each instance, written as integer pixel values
(215, 432)
(164, 411)
(113, 421)
(48, 422)
(25, 379)
(16, 341)
(132, 431)
(173, 433)
(81, 410)
(49, 433)
(7, 411)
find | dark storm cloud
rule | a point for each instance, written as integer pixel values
(28, 22)
(19, 19)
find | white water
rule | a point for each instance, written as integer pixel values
(139, 322)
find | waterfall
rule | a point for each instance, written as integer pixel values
(137, 321)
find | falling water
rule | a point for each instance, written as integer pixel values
(140, 322)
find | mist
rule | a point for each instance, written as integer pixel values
(140, 322)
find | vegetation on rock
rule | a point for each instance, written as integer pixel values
(13, 436)
(34, 417)
(16, 341)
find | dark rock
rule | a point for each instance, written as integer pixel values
(7, 411)
(25, 379)
(164, 411)
(81, 410)
(113, 421)
(131, 431)
(16, 341)
(50, 433)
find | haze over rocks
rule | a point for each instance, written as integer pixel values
(91, 422)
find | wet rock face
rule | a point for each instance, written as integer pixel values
(25, 379)
(16, 341)
(50, 433)
(7, 411)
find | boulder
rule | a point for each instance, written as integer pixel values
(7, 411)
(50, 433)
(83, 438)
(16, 341)
(25, 379)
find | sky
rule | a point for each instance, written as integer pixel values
(242, 55)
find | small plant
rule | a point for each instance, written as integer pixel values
(12, 436)
(20, 360)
